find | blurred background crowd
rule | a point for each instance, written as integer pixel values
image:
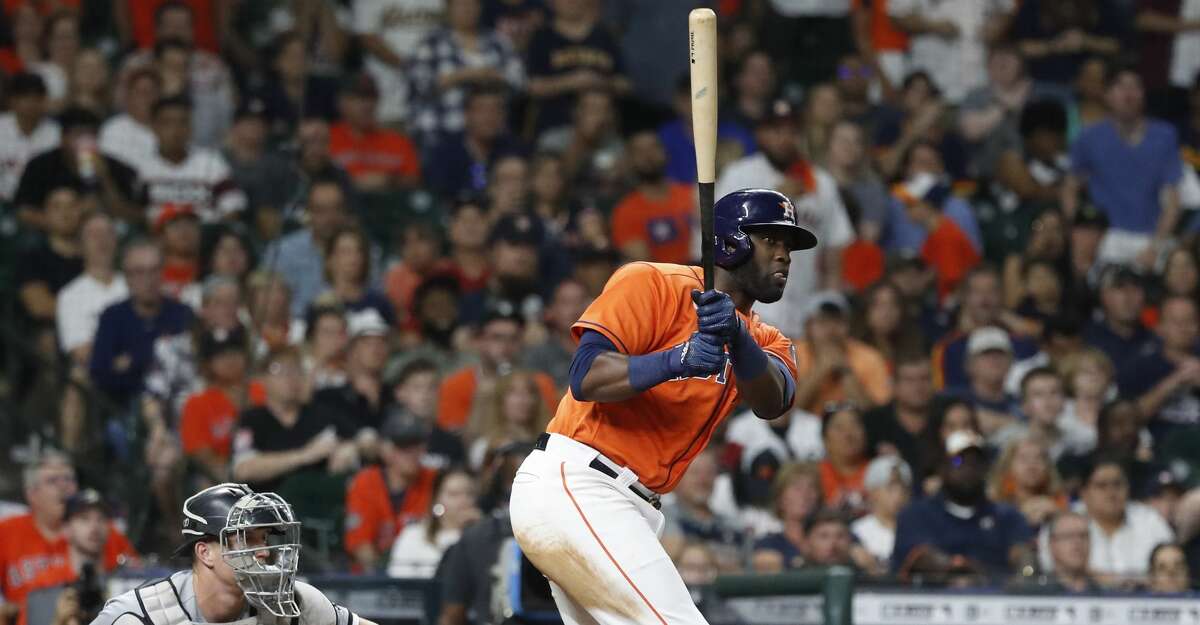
(334, 249)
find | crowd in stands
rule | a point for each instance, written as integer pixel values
(335, 249)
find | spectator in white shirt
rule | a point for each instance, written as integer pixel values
(24, 131)
(949, 39)
(83, 299)
(390, 31)
(1123, 533)
(129, 135)
(819, 208)
(420, 546)
(889, 484)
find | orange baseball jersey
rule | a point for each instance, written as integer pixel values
(371, 517)
(26, 554)
(209, 417)
(664, 225)
(645, 308)
(380, 151)
(456, 396)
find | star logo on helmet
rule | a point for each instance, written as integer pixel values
(789, 213)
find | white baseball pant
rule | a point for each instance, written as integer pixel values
(596, 541)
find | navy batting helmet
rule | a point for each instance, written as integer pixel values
(740, 212)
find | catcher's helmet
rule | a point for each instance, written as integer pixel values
(206, 513)
(740, 212)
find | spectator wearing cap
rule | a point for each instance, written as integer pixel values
(959, 535)
(498, 341)
(382, 499)
(654, 221)
(1164, 491)
(77, 163)
(795, 497)
(553, 353)
(834, 367)
(515, 278)
(946, 249)
(1065, 550)
(286, 443)
(46, 268)
(376, 158)
(175, 371)
(901, 426)
(691, 519)
(299, 256)
(25, 130)
(904, 233)
(452, 60)
(80, 302)
(414, 389)
(87, 531)
(35, 544)
(1123, 532)
(128, 136)
(981, 304)
(1043, 407)
(1131, 166)
(420, 545)
(1086, 232)
(350, 263)
(123, 350)
(1164, 378)
(208, 417)
(989, 357)
(846, 458)
(461, 162)
(177, 228)
(1119, 332)
(889, 485)
(268, 180)
(361, 401)
(676, 134)
(182, 174)
(779, 165)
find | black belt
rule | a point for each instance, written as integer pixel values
(644, 493)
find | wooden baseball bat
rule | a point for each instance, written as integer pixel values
(702, 52)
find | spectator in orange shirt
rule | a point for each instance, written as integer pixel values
(654, 221)
(499, 342)
(381, 499)
(86, 525)
(845, 465)
(834, 367)
(32, 543)
(947, 250)
(376, 158)
(209, 416)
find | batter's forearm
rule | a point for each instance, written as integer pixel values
(766, 394)
(608, 379)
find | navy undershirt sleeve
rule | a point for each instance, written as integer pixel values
(789, 385)
(591, 344)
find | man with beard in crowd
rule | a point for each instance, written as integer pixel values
(654, 221)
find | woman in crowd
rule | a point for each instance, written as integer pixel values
(822, 110)
(419, 547)
(515, 413)
(1169, 573)
(269, 299)
(60, 46)
(549, 192)
(862, 190)
(325, 345)
(224, 252)
(795, 495)
(846, 458)
(1089, 379)
(90, 86)
(885, 323)
(1025, 478)
(348, 271)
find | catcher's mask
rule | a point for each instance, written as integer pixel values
(261, 542)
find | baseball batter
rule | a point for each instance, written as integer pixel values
(659, 365)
